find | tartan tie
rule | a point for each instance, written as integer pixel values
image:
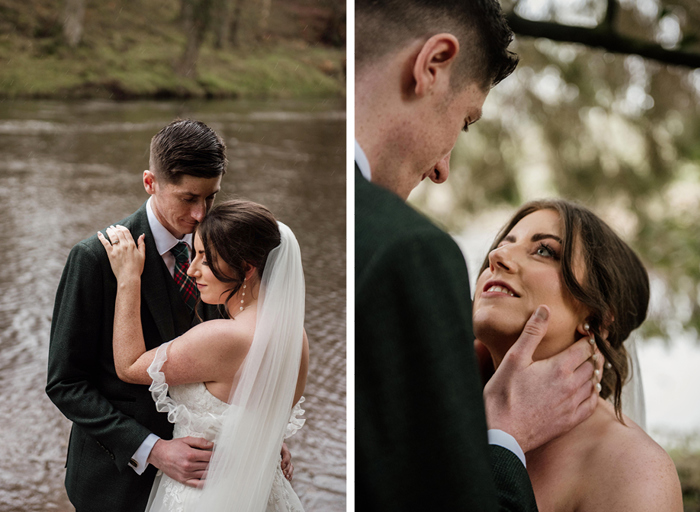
(186, 285)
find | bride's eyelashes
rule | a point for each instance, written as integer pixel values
(545, 250)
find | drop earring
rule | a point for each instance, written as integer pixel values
(242, 296)
(591, 337)
(594, 357)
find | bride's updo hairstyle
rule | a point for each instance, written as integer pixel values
(614, 287)
(238, 233)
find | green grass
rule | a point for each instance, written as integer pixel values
(129, 49)
(688, 467)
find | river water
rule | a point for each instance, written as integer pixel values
(69, 169)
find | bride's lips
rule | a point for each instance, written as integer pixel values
(500, 288)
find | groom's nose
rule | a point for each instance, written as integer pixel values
(441, 170)
(199, 211)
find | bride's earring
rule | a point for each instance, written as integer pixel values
(591, 338)
(594, 357)
(242, 296)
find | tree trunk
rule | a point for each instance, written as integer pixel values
(235, 33)
(196, 16)
(73, 22)
(264, 17)
(224, 27)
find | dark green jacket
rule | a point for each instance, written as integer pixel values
(420, 435)
(110, 418)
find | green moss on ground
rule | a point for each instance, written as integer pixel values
(129, 49)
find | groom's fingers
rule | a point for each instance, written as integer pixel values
(530, 338)
(197, 483)
(577, 355)
(587, 405)
(199, 443)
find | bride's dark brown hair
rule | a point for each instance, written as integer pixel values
(238, 233)
(614, 288)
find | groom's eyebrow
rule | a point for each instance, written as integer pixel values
(192, 194)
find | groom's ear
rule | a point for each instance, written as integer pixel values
(149, 182)
(434, 63)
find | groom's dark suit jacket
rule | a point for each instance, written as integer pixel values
(420, 435)
(110, 418)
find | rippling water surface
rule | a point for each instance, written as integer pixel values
(69, 169)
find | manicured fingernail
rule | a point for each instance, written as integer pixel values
(542, 313)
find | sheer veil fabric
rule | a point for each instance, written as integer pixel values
(247, 449)
(633, 404)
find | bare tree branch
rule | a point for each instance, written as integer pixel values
(601, 37)
(610, 14)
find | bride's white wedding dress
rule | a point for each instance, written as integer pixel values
(196, 412)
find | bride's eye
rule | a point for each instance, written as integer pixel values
(546, 251)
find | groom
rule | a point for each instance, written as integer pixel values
(118, 439)
(423, 71)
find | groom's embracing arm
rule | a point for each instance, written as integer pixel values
(78, 377)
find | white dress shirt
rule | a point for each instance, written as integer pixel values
(164, 242)
(362, 162)
(495, 436)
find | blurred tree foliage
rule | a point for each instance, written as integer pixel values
(615, 131)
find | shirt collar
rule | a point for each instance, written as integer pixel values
(362, 162)
(163, 238)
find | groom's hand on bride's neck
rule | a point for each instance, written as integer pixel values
(183, 459)
(536, 401)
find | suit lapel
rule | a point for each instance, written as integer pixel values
(154, 289)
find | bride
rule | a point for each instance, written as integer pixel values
(231, 381)
(557, 253)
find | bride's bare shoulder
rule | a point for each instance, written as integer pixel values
(634, 472)
(220, 338)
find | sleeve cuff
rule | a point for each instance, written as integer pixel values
(505, 440)
(139, 460)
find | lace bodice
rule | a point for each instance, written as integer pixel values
(205, 411)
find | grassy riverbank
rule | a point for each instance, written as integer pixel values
(688, 466)
(129, 49)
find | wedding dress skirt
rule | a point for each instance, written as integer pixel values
(194, 411)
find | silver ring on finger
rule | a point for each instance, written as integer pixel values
(116, 242)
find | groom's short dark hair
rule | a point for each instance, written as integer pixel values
(383, 26)
(188, 147)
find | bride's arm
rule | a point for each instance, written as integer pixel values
(210, 351)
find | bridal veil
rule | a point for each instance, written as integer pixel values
(247, 450)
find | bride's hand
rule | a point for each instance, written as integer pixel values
(125, 256)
